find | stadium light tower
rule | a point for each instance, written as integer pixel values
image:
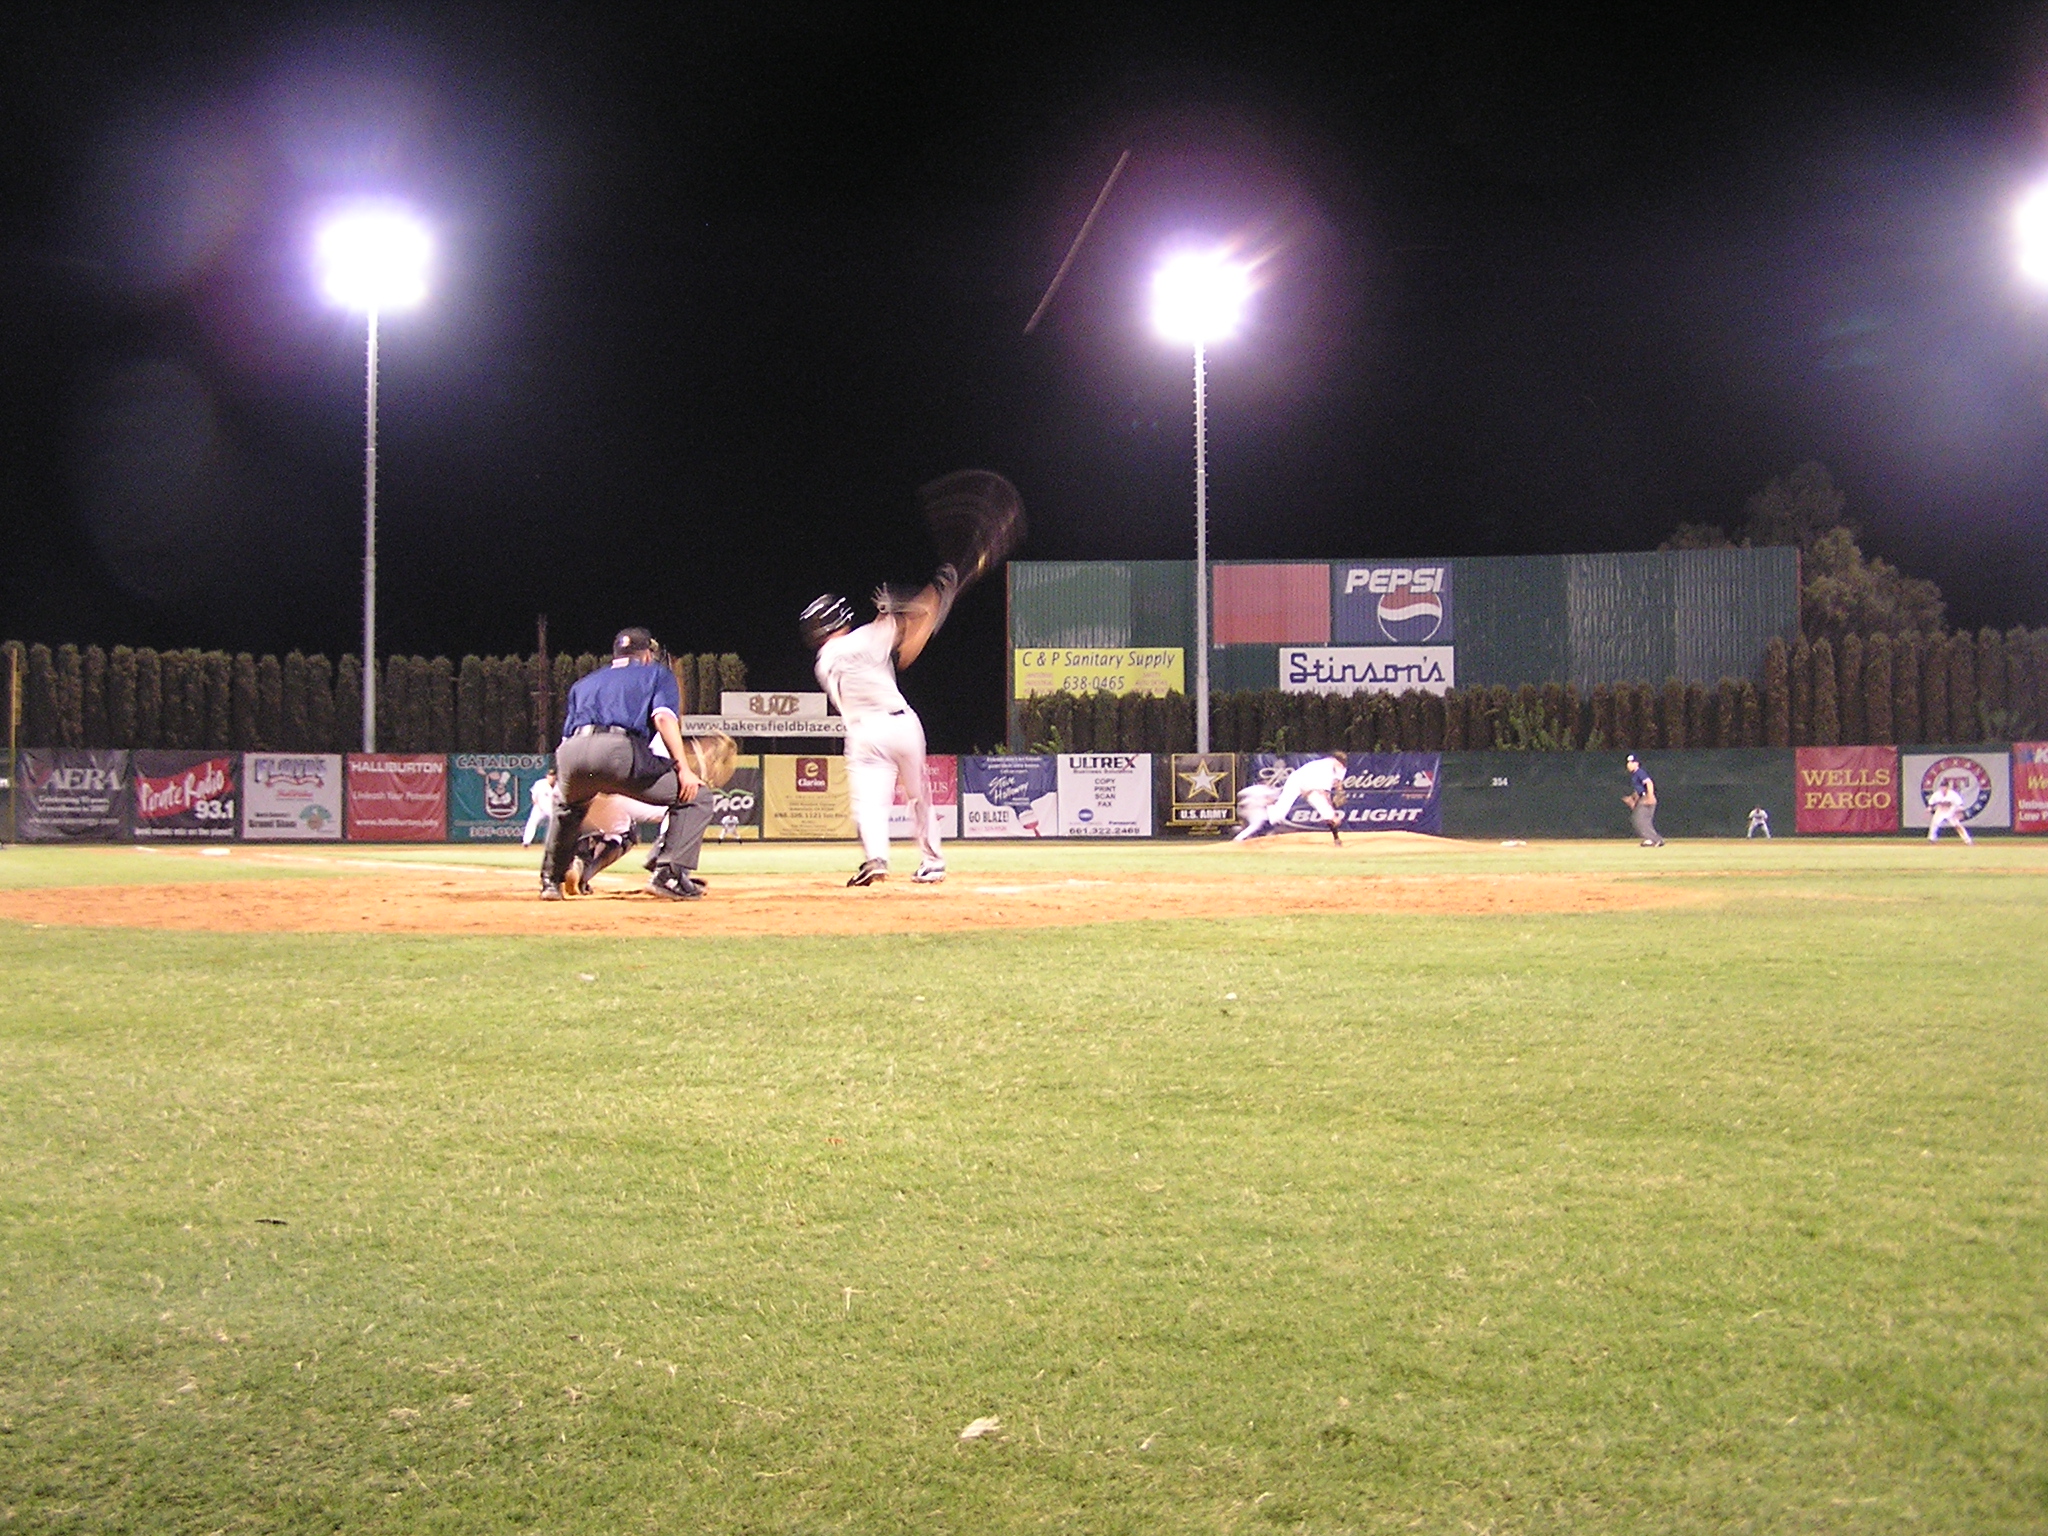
(1198, 297)
(2030, 231)
(372, 257)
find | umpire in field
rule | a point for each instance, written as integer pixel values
(613, 717)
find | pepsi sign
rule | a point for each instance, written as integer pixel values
(1390, 605)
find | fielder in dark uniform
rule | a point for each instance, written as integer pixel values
(613, 717)
(1641, 800)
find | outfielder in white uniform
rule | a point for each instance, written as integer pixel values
(1945, 809)
(884, 737)
(1314, 782)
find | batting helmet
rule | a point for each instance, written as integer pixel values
(826, 614)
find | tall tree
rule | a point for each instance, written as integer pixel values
(149, 699)
(93, 681)
(244, 689)
(1777, 702)
(1849, 694)
(1877, 692)
(1906, 690)
(1795, 509)
(1827, 714)
(121, 697)
(323, 733)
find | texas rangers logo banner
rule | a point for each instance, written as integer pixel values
(187, 795)
(1390, 605)
(942, 791)
(71, 796)
(291, 795)
(2030, 786)
(1982, 778)
(490, 794)
(1009, 797)
(1204, 792)
(1383, 791)
(1846, 789)
(397, 797)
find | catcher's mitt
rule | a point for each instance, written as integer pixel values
(712, 758)
(976, 520)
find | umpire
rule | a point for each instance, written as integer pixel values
(613, 716)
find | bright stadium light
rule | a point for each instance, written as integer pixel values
(372, 257)
(1199, 297)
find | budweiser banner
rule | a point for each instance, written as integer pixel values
(187, 796)
(490, 794)
(1846, 789)
(397, 797)
(63, 797)
(289, 795)
(1383, 791)
(2030, 786)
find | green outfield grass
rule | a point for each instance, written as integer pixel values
(1700, 1218)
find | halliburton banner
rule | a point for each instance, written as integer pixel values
(942, 785)
(2030, 786)
(805, 798)
(186, 795)
(490, 794)
(291, 796)
(1980, 773)
(397, 797)
(1009, 797)
(1846, 789)
(64, 797)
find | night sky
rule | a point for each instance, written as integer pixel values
(717, 290)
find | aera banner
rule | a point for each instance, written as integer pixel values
(1983, 777)
(1383, 791)
(2030, 786)
(1157, 670)
(70, 796)
(1390, 605)
(1846, 789)
(397, 797)
(942, 784)
(1204, 792)
(491, 793)
(1367, 668)
(736, 809)
(292, 796)
(186, 796)
(1009, 797)
(805, 797)
(1105, 794)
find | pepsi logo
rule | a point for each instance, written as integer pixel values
(1409, 617)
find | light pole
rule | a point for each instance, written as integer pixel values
(1197, 298)
(2030, 234)
(372, 258)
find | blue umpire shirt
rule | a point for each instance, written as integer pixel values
(626, 697)
(1638, 781)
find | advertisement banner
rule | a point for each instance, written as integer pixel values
(397, 797)
(70, 797)
(1383, 791)
(1204, 792)
(291, 796)
(736, 809)
(1157, 670)
(1367, 669)
(942, 784)
(1105, 794)
(766, 708)
(1009, 797)
(2030, 786)
(491, 793)
(805, 797)
(1390, 605)
(1846, 789)
(182, 796)
(1984, 776)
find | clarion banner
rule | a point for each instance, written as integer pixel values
(292, 796)
(1009, 797)
(71, 796)
(1982, 774)
(490, 794)
(1105, 794)
(397, 797)
(186, 796)
(1846, 789)
(942, 785)
(1383, 791)
(805, 798)
(2030, 786)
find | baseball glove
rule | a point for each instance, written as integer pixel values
(712, 758)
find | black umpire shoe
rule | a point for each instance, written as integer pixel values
(675, 885)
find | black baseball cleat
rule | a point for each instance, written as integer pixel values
(873, 872)
(550, 891)
(674, 885)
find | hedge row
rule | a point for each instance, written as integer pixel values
(1905, 690)
(211, 701)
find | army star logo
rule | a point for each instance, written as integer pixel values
(1202, 782)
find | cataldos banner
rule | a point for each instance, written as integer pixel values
(1983, 777)
(294, 796)
(1105, 794)
(397, 797)
(490, 794)
(1204, 792)
(2030, 786)
(1846, 789)
(805, 798)
(1383, 791)
(1009, 797)
(186, 795)
(1155, 670)
(942, 786)
(71, 796)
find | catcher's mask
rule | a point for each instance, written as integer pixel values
(826, 614)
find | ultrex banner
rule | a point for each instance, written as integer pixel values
(1105, 794)
(397, 797)
(70, 796)
(1846, 789)
(183, 796)
(490, 793)
(2030, 786)
(291, 795)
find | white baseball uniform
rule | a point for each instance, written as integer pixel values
(884, 737)
(1312, 782)
(1945, 809)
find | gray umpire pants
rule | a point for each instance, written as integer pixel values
(1645, 818)
(587, 766)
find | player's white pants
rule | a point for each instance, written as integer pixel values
(1276, 814)
(882, 750)
(1942, 819)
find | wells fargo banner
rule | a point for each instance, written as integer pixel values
(71, 796)
(942, 787)
(736, 809)
(1204, 792)
(490, 794)
(187, 795)
(1846, 789)
(2030, 786)
(1158, 669)
(1005, 796)
(291, 795)
(396, 797)
(805, 797)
